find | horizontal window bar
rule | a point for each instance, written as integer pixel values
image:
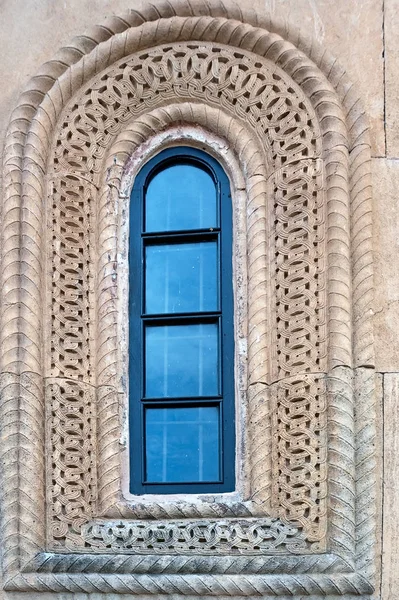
(168, 401)
(169, 483)
(186, 488)
(194, 317)
(190, 233)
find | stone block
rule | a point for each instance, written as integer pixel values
(391, 76)
(386, 245)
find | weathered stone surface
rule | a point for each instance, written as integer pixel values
(390, 543)
(32, 31)
(301, 254)
(386, 246)
(391, 26)
(352, 32)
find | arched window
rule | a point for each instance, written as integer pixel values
(181, 334)
(296, 148)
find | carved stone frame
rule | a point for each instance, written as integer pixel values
(64, 511)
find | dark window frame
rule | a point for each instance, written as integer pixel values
(226, 400)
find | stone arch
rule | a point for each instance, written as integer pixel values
(36, 161)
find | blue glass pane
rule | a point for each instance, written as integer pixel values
(181, 278)
(181, 360)
(182, 444)
(180, 197)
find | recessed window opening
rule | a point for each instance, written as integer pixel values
(181, 333)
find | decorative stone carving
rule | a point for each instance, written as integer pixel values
(71, 429)
(243, 85)
(300, 148)
(202, 537)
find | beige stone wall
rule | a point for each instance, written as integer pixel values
(362, 34)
